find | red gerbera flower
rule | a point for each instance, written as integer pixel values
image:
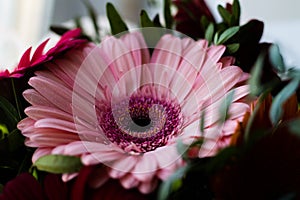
(69, 40)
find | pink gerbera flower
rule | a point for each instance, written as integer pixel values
(70, 39)
(119, 106)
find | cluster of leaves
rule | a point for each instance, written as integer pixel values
(14, 156)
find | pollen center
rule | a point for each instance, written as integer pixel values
(142, 124)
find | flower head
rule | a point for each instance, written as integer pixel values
(69, 40)
(119, 106)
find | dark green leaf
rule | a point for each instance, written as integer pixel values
(93, 15)
(145, 20)
(221, 159)
(167, 13)
(204, 22)
(232, 48)
(256, 73)
(1, 188)
(58, 164)
(116, 23)
(276, 107)
(59, 30)
(156, 21)
(209, 33)
(227, 34)
(294, 126)
(172, 183)
(276, 58)
(202, 122)
(225, 14)
(11, 115)
(15, 140)
(289, 196)
(77, 21)
(236, 12)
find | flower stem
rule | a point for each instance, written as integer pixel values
(16, 98)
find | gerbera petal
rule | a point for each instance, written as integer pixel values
(138, 48)
(39, 51)
(39, 153)
(25, 59)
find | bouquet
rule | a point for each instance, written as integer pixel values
(181, 107)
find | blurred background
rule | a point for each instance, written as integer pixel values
(25, 23)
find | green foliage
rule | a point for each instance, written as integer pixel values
(236, 12)
(58, 164)
(227, 34)
(276, 59)
(276, 108)
(167, 14)
(59, 30)
(116, 23)
(256, 73)
(224, 108)
(231, 19)
(172, 184)
(232, 48)
(182, 149)
(225, 14)
(9, 115)
(147, 22)
(209, 33)
(93, 15)
(294, 126)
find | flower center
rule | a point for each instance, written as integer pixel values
(140, 125)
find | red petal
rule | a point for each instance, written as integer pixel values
(39, 51)
(25, 59)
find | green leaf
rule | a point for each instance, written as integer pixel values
(294, 126)
(15, 140)
(58, 164)
(116, 23)
(93, 15)
(256, 73)
(276, 58)
(221, 159)
(276, 107)
(167, 14)
(236, 12)
(227, 34)
(172, 183)
(232, 48)
(225, 14)
(156, 21)
(209, 33)
(3, 131)
(223, 111)
(59, 30)
(202, 122)
(181, 147)
(204, 22)
(145, 20)
(10, 114)
(216, 37)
